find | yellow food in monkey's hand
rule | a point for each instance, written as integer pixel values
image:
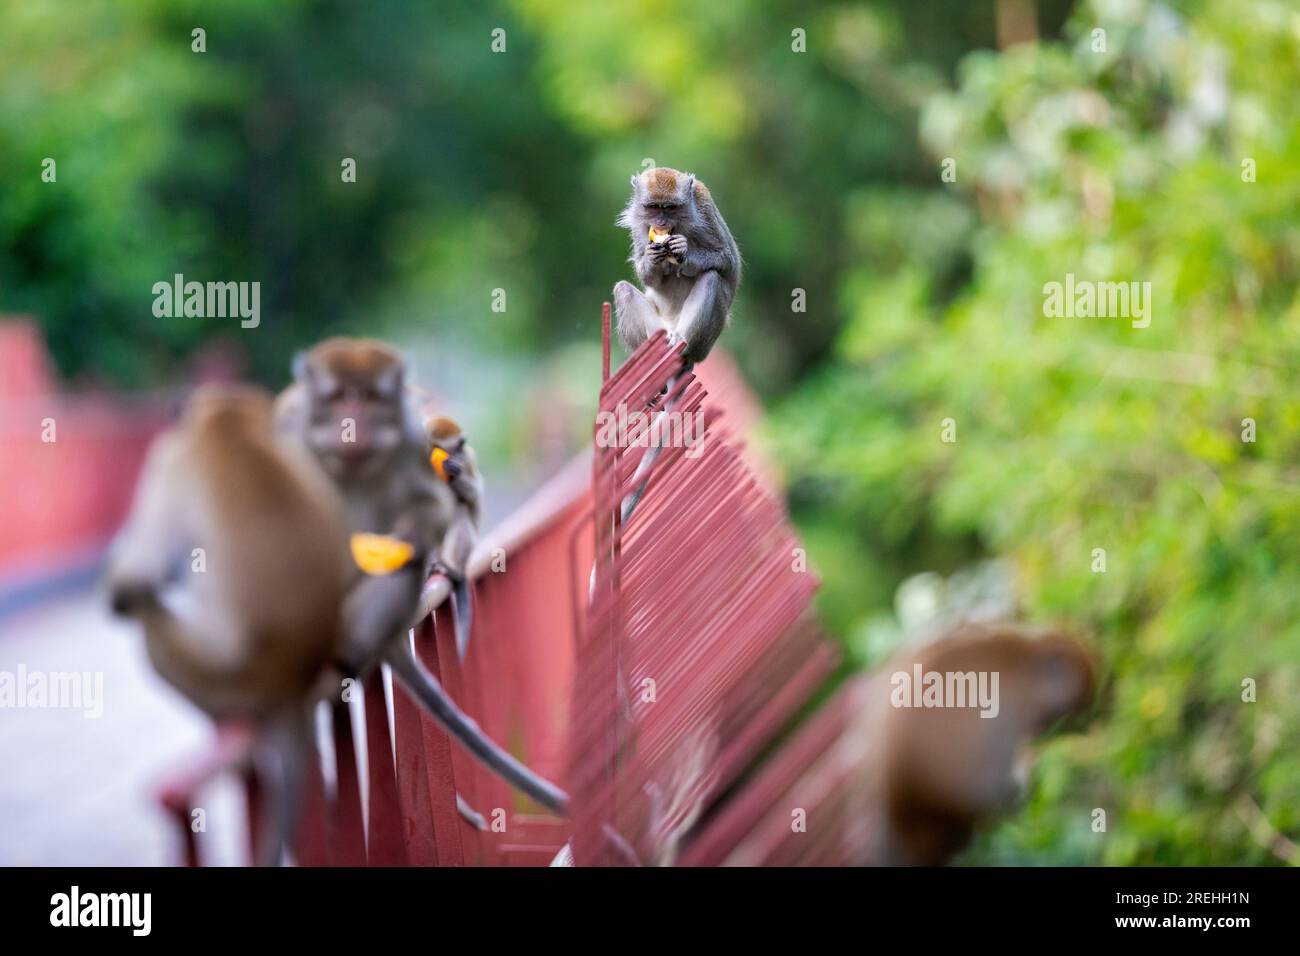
(380, 554)
(657, 236)
(436, 458)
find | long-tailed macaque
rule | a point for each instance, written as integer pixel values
(933, 772)
(684, 256)
(233, 560)
(350, 406)
(455, 462)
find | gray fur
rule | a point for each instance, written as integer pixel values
(689, 280)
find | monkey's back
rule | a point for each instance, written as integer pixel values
(937, 771)
(277, 569)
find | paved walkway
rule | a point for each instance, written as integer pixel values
(77, 790)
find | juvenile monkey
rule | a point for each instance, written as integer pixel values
(933, 772)
(245, 626)
(684, 256)
(454, 461)
(350, 407)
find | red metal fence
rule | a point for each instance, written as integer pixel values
(701, 646)
(648, 666)
(515, 681)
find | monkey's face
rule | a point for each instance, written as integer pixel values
(356, 419)
(661, 216)
(661, 198)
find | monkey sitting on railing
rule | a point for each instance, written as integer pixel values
(350, 407)
(454, 461)
(684, 255)
(232, 559)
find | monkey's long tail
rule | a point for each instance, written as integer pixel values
(430, 693)
(648, 459)
(281, 766)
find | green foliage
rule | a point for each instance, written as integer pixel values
(476, 170)
(226, 165)
(1084, 433)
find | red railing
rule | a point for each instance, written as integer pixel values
(646, 666)
(68, 463)
(701, 644)
(515, 681)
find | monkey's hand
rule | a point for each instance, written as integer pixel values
(662, 260)
(676, 245)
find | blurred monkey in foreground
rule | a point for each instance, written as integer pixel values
(454, 461)
(931, 773)
(684, 256)
(350, 406)
(233, 561)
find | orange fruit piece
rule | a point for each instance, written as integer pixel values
(380, 554)
(436, 458)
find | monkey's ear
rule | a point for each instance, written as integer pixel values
(690, 187)
(310, 375)
(1064, 674)
(636, 184)
(391, 377)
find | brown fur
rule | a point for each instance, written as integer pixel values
(934, 774)
(355, 359)
(269, 597)
(263, 617)
(443, 429)
(462, 532)
(350, 407)
(661, 183)
(389, 487)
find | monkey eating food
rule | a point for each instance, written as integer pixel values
(351, 408)
(690, 266)
(454, 461)
(686, 259)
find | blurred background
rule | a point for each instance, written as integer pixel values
(880, 298)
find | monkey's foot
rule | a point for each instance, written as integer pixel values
(233, 747)
(436, 590)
